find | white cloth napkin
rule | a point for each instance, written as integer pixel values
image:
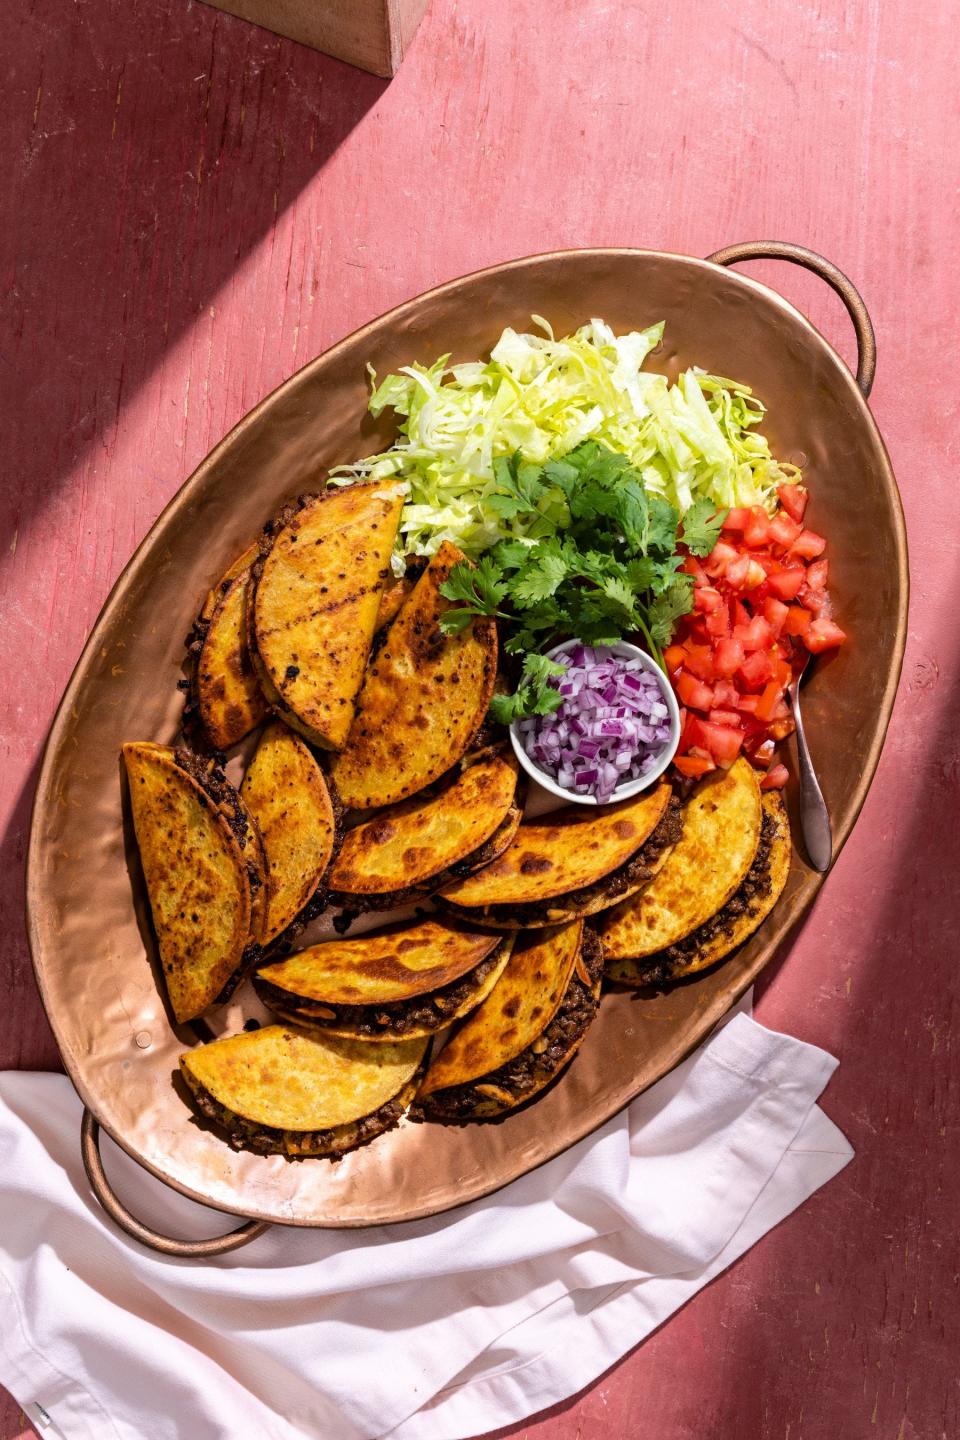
(435, 1330)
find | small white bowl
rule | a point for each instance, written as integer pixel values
(629, 787)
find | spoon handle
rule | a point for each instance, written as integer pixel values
(814, 819)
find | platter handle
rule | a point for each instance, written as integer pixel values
(845, 288)
(166, 1244)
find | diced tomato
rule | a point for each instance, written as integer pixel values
(784, 531)
(769, 699)
(816, 600)
(690, 565)
(797, 621)
(722, 741)
(693, 765)
(794, 499)
(755, 576)
(737, 518)
(673, 657)
(823, 635)
(779, 729)
(787, 584)
(736, 572)
(707, 599)
(762, 754)
(725, 695)
(719, 558)
(756, 635)
(739, 614)
(698, 659)
(692, 692)
(725, 717)
(717, 624)
(775, 613)
(817, 574)
(756, 531)
(728, 656)
(808, 545)
(747, 704)
(757, 670)
(775, 778)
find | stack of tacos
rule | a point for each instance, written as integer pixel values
(524, 1033)
(720, 882)
(406, 980)
(570, 864)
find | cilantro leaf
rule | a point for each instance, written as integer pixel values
(479, 587)
(539, 578)
(534, 694)
(667, 608)
(701, 527)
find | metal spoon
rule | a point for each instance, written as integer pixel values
(814, 819)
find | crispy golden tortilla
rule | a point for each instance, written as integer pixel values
(743, 913)
(392, 598)
(420, 839)
(420, 1016)
(721, 830)
(423, 698)
(197, 878)
(569, 850)
(515, 1013)
(286, 792)
(229, 700)
(375, 969)
(315, 606)
(287, 1079)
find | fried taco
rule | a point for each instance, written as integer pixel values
(735, 922)
(525, 1032)
(286, 792)
(570, 864)
(406, 854)
(226, 694)
(405, 981)
(314, 607)
(423, 699)
(282, 1091)
(203, 864)
(721, 832)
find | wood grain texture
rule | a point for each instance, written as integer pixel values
(373, 34)
(193, 208)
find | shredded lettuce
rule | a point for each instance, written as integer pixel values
(692, 440)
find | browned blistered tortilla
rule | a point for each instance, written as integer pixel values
(735, 922)
(282, 1090)
(423, 699)
(228, 695)
(721, 831)
(315, 606)
(196, 874)
(286, 792)
(405, 847)
(516, 1012)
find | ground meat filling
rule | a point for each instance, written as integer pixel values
(392, 900)
(535, 1066)
(603, 893)
(423, 1012)
(670, 963)
(301, 1144)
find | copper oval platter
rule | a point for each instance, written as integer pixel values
(88, 924)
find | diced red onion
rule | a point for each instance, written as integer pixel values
(610, 729)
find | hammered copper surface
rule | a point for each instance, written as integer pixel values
(85, 915)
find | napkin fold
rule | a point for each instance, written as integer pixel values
(435, 1330)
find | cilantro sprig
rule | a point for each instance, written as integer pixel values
(599, 560)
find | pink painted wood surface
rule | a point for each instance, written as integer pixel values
(193, 208)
